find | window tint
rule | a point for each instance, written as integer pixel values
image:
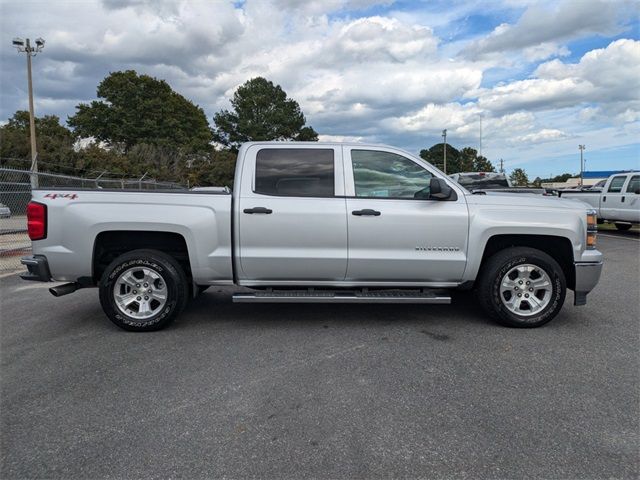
(387, 175)
(295, 172)
(616, 184)
(634, 184)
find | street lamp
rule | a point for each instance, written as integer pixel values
(24, 46)
(444, 136)
(581, 147)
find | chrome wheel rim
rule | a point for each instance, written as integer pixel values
(526, 290)
(140, 293)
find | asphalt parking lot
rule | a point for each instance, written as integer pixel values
(293, 391)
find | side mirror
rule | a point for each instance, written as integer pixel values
(439, 190)
(637, 191)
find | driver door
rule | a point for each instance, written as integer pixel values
(395, 233)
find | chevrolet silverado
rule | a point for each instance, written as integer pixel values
(315, 222)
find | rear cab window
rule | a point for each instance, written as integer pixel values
(295, 172)
(483, 181)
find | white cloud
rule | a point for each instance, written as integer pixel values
(609, 77)
(541, 136)
(379, 38)
(543, 25)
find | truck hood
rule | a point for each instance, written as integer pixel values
(526, 200)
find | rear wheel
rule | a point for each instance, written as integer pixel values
(522, 287)
(143, 290)
(623, 226)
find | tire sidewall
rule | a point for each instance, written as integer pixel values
(557, 295)
(170, 277)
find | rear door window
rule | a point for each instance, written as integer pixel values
(295, 172)
(616, 184)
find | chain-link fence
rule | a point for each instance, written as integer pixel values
(15, 193)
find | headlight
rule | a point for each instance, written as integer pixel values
(592, 229)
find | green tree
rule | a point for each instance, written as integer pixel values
(261, 111)
(435, 156)
(139, 109)
(54, 142)
(519, 178)
(218, 169)
(465, 160)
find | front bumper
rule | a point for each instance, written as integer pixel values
(37, 268)
(587, 276)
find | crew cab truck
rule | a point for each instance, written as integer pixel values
(617, 202)
(316, 222)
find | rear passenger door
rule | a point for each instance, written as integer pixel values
(631, 200)
(292, 215)
(612, 198)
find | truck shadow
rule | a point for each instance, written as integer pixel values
(633, 233)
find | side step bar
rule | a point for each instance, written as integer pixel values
(349, 296)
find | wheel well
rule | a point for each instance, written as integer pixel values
(558, 248)
(110, 245)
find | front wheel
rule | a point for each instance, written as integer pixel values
(522, 287)
(143, 290)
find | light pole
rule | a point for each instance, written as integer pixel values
(581, 147)
(480, 134)
(444, 136)
(24, 46)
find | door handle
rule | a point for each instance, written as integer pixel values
(366, 212)
(622, 199)
(253, 210)
(604, 199)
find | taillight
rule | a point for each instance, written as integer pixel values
(36, 221)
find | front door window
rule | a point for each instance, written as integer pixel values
(388, 175)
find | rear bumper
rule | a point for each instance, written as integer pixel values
(37, 268)
(587, 276)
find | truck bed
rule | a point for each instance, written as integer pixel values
(76, 218)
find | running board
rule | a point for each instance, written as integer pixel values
(350, 296)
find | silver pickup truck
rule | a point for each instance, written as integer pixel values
(316, 222)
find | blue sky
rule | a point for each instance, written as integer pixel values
(544, 76)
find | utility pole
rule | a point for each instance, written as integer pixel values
(25, 47)
(501, 166)
(444, 136)
(581, 147)
(480, 134)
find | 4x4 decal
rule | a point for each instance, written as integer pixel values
(53, 196)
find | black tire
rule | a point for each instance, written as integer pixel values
(491, 277)
(165, 266)
(623, 227)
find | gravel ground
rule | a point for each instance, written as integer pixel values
(331, 391)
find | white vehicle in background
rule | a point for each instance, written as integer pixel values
(5, 212)
(618, 202)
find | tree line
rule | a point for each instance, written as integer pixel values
(139, 125)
